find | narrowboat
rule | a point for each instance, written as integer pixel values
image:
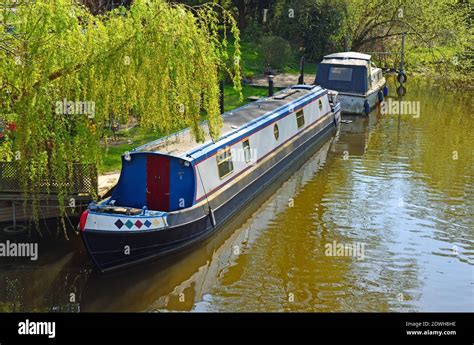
(173, 192)
(360, 84)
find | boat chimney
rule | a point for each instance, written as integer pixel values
(270, 85)
(301, 78)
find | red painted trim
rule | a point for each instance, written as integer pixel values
(83, 220)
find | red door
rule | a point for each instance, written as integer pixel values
(157, 183)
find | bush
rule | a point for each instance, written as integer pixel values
(315, 25)
(276, 52)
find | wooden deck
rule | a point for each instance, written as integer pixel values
(16, 206)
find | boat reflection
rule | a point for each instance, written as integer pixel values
(355, 133)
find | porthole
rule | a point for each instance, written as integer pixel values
(276, 132)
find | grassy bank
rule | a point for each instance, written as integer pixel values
(253, 61)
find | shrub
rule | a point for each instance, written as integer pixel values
(276, 52)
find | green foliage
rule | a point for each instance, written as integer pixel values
(157, 62)
(430, 25)
(276, 51)
(313, 25)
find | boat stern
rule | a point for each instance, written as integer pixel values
(116, 236)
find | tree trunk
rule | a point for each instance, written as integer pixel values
(242, 14)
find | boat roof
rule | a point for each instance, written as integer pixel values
(349, 55)
(345, 62)
(183, 144)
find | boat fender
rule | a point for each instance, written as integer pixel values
(402, 77)
(213, 218)
(380, 96)
(83, 220)
(366, 108)
(385, 91)
(401, 91)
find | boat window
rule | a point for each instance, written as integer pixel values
(224, 162)
(340, 74)
(247, 153)
(276, 132)
(300, 118)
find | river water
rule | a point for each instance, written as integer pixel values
(397, 189)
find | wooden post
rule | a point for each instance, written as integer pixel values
(270, 85)
(402, 60)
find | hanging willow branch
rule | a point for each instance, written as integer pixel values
(155, 61)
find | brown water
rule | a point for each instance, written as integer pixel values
(401, 186)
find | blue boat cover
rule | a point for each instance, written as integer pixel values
(342, 78)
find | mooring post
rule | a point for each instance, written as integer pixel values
(270, 85)
(402, 60)
(14, 214)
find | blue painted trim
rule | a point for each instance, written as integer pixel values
(119, 215)
(228, 140)
(253, 122)
(181, 184)
(131, 186)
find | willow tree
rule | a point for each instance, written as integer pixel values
(157, 62)
(428, 23)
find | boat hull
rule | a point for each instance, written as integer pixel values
(114, 250)
(354, 104)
